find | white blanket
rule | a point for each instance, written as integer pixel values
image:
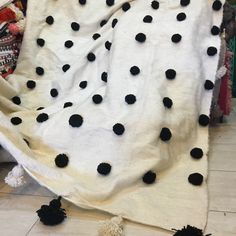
(113, 99)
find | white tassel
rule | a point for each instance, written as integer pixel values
(112, 227)
(15, 177)
(21, 25)
(221, 72)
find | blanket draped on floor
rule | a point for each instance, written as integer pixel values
(109, 105)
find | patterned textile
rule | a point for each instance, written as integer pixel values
(225, 96)
(9, 44)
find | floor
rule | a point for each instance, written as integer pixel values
(18, 206)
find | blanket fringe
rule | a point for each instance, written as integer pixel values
(189, 231)
(15, 177)
(112, 227)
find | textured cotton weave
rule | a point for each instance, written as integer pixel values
(109, 105)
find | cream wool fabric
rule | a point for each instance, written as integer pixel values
(170, 201)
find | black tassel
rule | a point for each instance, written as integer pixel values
(189, 231)
(52, 214)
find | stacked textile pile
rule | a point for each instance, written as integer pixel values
(109, 105)
(225, 96)
(12, 22)
(222, 97)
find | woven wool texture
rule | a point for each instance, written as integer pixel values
(109, 105)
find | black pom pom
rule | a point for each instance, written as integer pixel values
(75, 26)
(96, 36)
(103, 22)
(31, 84)
(167, 102)
(40, 108)
(170, 74)
(130, 99)
(82, 2)
(110, 2)
(189, 231)
(196, 153)
(61, 160)
(108, 45)
(42, 117)
(215, 30)
(165, 134)
(40, 42)
(50, 20)
(118, 129)
(114, 22)
(97, 99)
(184, 3)
(104, 76)
(204, 120)
(39, 71)
(181, 16)
(212, 51)
(134, 70)
(176, 38)
(16, 100)
(140, 37)
(91, 57)
(68, 104)
(217, 5)
(83, 84)
(55, 203)
(52, 214)
(76, 120)
(195, 179)
(126, 6)
(155, 5)
(104, 168)
(16, 120)
(147, 19)
(209, 85)
(54, 93)
(69, 44)
(66, 67)
(149, 177)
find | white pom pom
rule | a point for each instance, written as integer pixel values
(113, 227)
(221, 72)
(17, 171)
(15, 177)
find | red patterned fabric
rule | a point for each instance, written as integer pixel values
(7, 14)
